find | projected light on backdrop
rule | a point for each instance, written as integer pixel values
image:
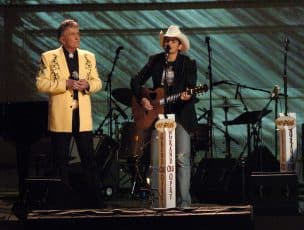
(247, 46)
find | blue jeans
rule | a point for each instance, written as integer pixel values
(183, 166)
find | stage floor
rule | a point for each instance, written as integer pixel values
(125, 212)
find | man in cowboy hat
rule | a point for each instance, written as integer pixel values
(174, 72)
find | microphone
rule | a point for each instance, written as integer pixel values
(167, 49)
(75, 77)
(275, 91)
(237, 91)
(286, 41)
(119, 48)
(219, 82)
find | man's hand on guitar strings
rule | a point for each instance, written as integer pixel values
(146, 104)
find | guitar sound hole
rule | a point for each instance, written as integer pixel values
(152, 96)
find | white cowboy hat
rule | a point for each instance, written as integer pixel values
(174, 31)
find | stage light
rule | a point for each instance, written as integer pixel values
(148, 181)
(108, 191)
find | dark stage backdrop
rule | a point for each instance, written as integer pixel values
(248, 45)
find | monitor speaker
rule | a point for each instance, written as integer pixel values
(42, 193)
(274, 193)
(217, 181)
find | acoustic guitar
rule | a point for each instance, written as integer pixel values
(143, 118)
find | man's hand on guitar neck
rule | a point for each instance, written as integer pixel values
(146, 104)
(185, 96)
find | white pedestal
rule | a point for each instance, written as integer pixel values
(166, 161)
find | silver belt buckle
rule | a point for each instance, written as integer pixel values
(75, 104)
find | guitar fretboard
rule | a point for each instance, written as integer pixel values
(170, 99)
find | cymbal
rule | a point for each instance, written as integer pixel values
(226, 105)
(123, 95)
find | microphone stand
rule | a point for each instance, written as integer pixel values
(245, 86)
(166, 88)
(210, 114)
(285, 74)
(286, 42)
(109, 86)
(276, 99)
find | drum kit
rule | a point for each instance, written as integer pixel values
(129, 146)
(200, 135)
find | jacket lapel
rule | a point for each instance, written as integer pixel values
(179, 75)
(81, 64)
(63, 64)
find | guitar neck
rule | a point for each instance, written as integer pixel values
(170, 99)
(175, 97)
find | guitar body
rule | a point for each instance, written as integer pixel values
(144, 119)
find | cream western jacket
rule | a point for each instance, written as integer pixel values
(51, 78)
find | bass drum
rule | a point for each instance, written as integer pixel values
(134, 142)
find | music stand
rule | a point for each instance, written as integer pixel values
(249, 118)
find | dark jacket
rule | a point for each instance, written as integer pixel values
(185, 72)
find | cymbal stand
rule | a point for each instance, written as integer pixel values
(111, 116)
(210, 114)
(137, 177)
(99, 130)
(140, 167)
(109, 86)
(256, 127)
(239, 94)
(227, 136)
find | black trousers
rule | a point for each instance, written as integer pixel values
(61, 156)
(61, 153)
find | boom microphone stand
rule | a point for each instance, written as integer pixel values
(109, 85)
(286, 42)
(210, 114)
(113, 150)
